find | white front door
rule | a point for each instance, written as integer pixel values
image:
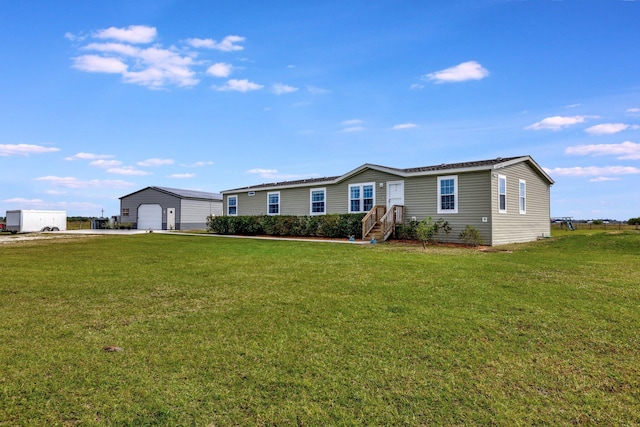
(395, 193)
(171, 218)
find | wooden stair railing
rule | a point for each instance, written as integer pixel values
(371, 219)
(385, 220)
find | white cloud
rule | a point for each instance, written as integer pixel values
(199, 164)
(99, 64)
(558, 122)
(633, 111)
(22, 200)
(238, 86)
(117, 48)
(74, 37)
(160, 67)
(228, 44)
(594, 171)
(352, 126)
(353, 129)
(105, 163)
(416, 86)
(220, 69)
(127, 170)
(153, 67)
(314, 90)
(262, 171)
(131, 34)
(625, 151)
(603, 179)
(609, 128)
(280, 88)
(74, 183)
(181, 175)
(156, 162)
(404, 126)
(89, 156)
(351, 122)
(470, 70)
(24, 149)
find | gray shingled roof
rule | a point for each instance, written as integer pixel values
(462, 165)
(433, 168)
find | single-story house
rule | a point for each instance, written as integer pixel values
(506, 199)
(162, 208)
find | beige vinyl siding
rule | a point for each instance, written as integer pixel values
(513, 227)
(421, 201)
(296, 201)
(338, 194)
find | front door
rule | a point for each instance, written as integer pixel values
(395, 193)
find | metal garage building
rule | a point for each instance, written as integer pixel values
(162, 208)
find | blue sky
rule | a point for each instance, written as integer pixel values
(101, 99)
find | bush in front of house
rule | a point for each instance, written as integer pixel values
(428, 230)
(471, 236)
(332, 225)
(407, 231)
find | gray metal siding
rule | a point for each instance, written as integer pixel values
(421, 201)
(149, 196)
(190, 214)
(513, 227)
(195, 213)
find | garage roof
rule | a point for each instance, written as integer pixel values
(181, 193)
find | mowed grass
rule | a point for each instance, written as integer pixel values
(219, 331)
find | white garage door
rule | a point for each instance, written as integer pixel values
(150, 217)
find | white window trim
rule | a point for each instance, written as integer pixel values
(455, 195)
(372, 184)
(324, 190)
(268, 204)
(235, 196)
(505, 194)
(522, 197)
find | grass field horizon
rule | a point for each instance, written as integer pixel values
(219, 331)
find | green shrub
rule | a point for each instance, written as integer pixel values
(407, 231)
(471, 236)
(428, 230)
(332, 225)
(634, 221)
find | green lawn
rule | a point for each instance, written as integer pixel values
(220, 331)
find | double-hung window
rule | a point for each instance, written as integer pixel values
(502, 194)
(273, 203)
(522, 196)
(361, 197)
(448, 194)
(318, 201)
(232, 205)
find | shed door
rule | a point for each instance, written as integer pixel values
(150, 217)
(395, 193)
(171, 218)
